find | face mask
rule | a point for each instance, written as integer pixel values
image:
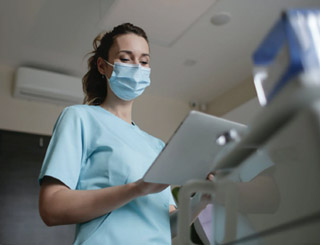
(128, 81)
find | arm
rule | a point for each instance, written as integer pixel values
(60, 205)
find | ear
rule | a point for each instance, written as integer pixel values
(102, 66)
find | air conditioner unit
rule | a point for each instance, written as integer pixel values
(40, 85)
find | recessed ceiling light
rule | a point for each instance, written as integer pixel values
(221, 18)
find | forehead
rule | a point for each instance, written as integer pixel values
(132, 42)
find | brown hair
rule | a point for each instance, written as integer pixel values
(93, 83)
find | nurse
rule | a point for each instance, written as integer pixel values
(97, 154)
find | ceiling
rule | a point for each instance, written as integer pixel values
(191, 59)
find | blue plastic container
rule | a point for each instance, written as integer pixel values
(291, 47)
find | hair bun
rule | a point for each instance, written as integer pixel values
(98, 39)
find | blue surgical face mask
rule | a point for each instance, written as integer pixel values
(128, 81)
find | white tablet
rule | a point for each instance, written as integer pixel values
(191, 151)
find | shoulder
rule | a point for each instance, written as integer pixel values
(71, 115)
(77, 111)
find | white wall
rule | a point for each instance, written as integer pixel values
(158, 116)
(244, 113)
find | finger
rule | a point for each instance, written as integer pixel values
(210, 177)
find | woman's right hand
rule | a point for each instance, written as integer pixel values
(145, 188)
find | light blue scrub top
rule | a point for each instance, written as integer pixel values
(92, 148)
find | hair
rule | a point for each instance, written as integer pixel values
(93, 83)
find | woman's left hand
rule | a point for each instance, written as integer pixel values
(206, 198)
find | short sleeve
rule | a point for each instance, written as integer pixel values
(65, 151)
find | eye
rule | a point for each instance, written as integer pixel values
(124, 60)
(145, 62)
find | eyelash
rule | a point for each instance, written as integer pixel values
(142, 62)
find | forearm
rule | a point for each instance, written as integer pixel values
(65, 206)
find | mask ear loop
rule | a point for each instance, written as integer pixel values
(108, 63)
(104, 76)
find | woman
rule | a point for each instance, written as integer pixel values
(97, 154)
(90, 175)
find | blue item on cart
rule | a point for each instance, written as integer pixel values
(290, 48)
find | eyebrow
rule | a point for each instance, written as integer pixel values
(130, 52)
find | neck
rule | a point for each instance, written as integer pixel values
(118, 107)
